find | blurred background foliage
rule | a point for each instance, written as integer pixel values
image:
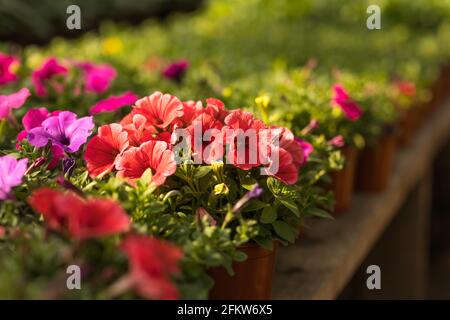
(30, 21)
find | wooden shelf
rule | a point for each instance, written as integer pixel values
(320, 265)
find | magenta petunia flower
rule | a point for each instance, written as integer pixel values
(12, 101)
(64, 130)
(350, 108)
(98, 77)
(34, 118)
(6, 64)
(306, 147)
(176, 70)
(42, 75)
(11, 174)
(114, 103)
(337, 141)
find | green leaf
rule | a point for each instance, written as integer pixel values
(316, 212)
(202, 171)
(254, 205)
(268, 215)
(156, 207)
(266, 243)
(291, 205)
(248, 183)
(284, 230)
(240, 256)
(273, 185)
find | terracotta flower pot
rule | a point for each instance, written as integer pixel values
(440, 89)
(252, 278)
(407, 125)
(375, 164)
(342, 181)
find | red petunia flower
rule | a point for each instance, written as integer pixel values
(96, 218)
(241, 132)
(155, 155)
(81, 219)
(160, 110)
(406, 88)
(152, 263)
(205, 137)
(216, 108)
(282, 166)
(288, 143)
(191, 109)
(46, 201)
(139, 131)
(103, 150)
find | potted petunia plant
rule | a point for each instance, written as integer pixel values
(227, 168)
(207, 194)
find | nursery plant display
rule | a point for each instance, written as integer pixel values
(170, 169)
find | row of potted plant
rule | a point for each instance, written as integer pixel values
(130, 184)
(156, 196)
(91, 192)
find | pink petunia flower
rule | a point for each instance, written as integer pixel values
(337, 141)
(114, 103)
(350, 108)
(11, 174)
(12, 101)
(307, 149)
(6, 64)
(44, 74)
(155, 155)
(97, 77)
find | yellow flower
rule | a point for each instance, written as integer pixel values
(336, 112)
(14, 67)
(221, 189)
(227, 92)
(112, 45)
(262, 101)
(34, 60)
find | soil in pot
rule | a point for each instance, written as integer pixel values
(375, 164)
(342, 181)
(252, 279)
